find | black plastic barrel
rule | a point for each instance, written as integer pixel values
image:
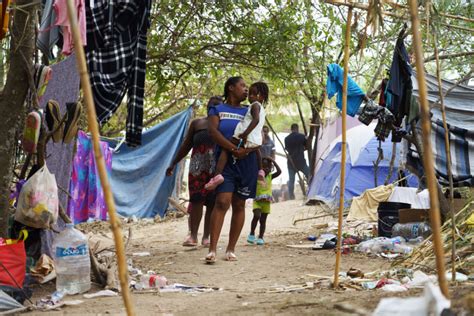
(388, 216)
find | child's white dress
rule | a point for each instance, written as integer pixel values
(254, 139)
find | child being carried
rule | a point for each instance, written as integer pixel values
(248, 133)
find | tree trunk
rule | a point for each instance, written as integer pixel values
(12, 101)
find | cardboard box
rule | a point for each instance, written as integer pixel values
(411, 215)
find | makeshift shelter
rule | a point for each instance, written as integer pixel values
(459, 104)
(360, 173)
(140, 185)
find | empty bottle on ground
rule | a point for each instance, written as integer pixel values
(412, 230)
(72, 261)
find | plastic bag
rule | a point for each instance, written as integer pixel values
(38, 202)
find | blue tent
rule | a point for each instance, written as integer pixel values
(360, 172)
(139, 183)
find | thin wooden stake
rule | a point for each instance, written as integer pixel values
(428, 153)
(449, 165)
(94, 129)
(343, 152)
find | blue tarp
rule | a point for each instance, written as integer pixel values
(138, 178)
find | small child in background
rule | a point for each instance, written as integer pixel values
(262, 201)
(248, 133)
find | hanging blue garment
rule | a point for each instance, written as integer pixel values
(355, 95)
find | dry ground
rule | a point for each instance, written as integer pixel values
(246, 283)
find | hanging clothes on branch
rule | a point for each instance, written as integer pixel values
(87, 196)
(48, 34)
(385, 118)
(116, 59)
(355, 95)
(400, 87)
(62, 20)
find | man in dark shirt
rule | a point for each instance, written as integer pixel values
(295, 145)
(268, 146)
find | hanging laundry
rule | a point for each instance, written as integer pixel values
(87, 197)
(385, 118)
(48, 34)
(63, 87)
(383, 88)
(400, 86)
(116, 58)
(355, 95)
(4, 18)
(60, 8)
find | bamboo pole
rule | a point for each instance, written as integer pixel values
(343, 152)
(448, 160)
(428, 153)
(94, 129)
(403, 16)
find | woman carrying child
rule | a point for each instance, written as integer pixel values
(240, 166)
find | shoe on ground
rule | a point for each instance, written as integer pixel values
(251, 239)
(260, 242)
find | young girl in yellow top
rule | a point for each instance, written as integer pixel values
(262, 201)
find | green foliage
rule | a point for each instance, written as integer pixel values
(193, 46)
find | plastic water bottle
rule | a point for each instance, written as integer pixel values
(72, 261)
(411, 230)
(150, 281)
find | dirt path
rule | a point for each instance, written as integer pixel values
(245, 284)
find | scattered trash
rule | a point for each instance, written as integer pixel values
(44, 270)
(291, 288)
(150, 281)
(420, 279)
(390, 255)
(311, 238)
(412, 230)
(459, 276)
(141, 254)
(52, 301)
(431, 303)
(385, 245)
(104, 293)
(394, 288)
(177, 287)
(369, 285)
(325, 241)
(73, 302)
(355, 273)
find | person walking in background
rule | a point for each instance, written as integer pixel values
(296, 144)
(201, 170)
(262, 201)
(268, 146)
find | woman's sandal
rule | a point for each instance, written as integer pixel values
(190, 242)
(230, 256)
(211, 257)
(206, 242)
